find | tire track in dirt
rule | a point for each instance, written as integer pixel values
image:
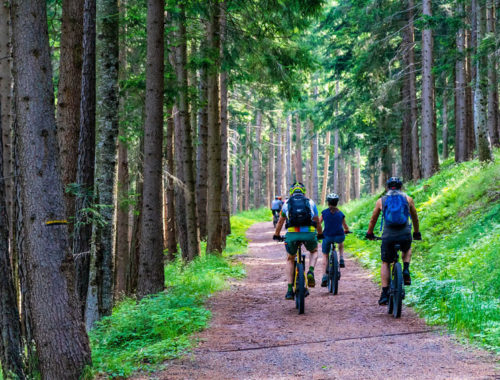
(256, 334)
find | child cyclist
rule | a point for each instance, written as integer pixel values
(334, 232)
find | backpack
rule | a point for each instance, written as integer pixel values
(396, 210)
(299, 211)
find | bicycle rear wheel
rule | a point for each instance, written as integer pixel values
(333, 273)
(398, 290)
(300, 292)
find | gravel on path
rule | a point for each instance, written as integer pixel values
(256, 334)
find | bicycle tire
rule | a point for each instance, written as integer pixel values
(330, 273)
(335, 274)
(390, 303)
(398, 290)
(300, 294)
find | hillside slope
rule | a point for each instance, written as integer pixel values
(456, 267)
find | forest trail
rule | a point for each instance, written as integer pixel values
(257, 334)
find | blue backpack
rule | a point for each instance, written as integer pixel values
(396, 210)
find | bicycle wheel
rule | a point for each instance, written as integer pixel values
(300, 294)
(398, 290)
(334, 273)
(390, 303)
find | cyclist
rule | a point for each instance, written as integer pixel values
(276, 206)
(396, 207)
(334, 232)
(301, 217)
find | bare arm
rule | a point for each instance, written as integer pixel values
(344, 224)
(414, 216)
(375, 215)
(318, 225)
(281, 221)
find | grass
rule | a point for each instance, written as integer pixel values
(456, 267)
(141, 335)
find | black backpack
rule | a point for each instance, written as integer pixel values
(299, 211)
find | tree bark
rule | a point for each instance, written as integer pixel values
(82, 232)
(69, 93)
(214, 237)
(256, 162)
(326, 167)
(298, 150)
(480, 101)
(100, 294)
(271, 161)
(357, 175)
(288, 150)
(460, 93)
(62, 352)
(247, 168)
(314, 167)
(444, 118)
(492, 77)
(430, 162)
(201, 154)
(234, 170)
(336, 187)
(469, 92)
(170, 167)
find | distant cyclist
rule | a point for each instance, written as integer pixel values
(276, 206)
(334, 232)
(301, 217)
(396, 208)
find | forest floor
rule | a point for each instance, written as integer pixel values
(256, 334)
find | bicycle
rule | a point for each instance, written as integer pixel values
(276, 216)
(396, 287)
(300, 287)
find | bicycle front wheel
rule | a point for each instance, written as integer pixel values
(300, 294)
(398, 290)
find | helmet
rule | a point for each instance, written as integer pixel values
(297, 188)
(394, 183)
(280, 198)
(332, 198)
(276, 197)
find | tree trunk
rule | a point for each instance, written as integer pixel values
(469, 93)
(288, 150)
(406, 125)
(201, 154)
(460, 93)
(430, 162)
(170, 167)
(298, 150)
(341, 179)
(214, 237)
(247, 168)
(62, 352)
(151, 274)
(314, 166)
(256, 162)
(241, 192)
(82, 232)
(234, 169)
(68, 94)
(186, 140)
(357, 175)
(326, 167)
(100, 295)
(492, 77)
(271, 162)
(133, 273)
(480, 101)
(347, 182)
(278, 189)
(444, 118)
(336, 187)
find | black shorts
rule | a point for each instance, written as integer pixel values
(387, 250)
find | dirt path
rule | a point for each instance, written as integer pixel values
(257, 334)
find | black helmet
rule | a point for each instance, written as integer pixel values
(394, 183)
(332, 198)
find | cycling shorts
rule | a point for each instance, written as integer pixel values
(387, 250)
(328, 240)
(293, 238)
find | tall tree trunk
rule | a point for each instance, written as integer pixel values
(406, 125)
(412, 74)
(469, 92)
(234, 174)
(62, 352)
(336, 187)
(288, 150)
(460, 93)
(357, 175)
(214, 238)
(151, 274)
(326, 168)
(298, 150)
(430, 162)
(480, 101)
(314, 163)
(201, 154)
(225, 214)
(82, 232)
(10, 328)
(278, 189)
(256, 162)
(241, 192)
(170, 167)
(347, 180)
(271, 162)
(492, 76)
(341, 179)
(100, 294)
(444, 118)
(69, 92)
(135, 238)
(186, 139)
(246, 191)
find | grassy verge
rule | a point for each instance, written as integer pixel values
(141, 335)
(456, 267)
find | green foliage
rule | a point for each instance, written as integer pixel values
(140, 335)
(456, 267)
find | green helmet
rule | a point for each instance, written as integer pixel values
(297, 188)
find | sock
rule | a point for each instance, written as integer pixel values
(406, 266)
(385, 290)
(290, 286)
(311, 269)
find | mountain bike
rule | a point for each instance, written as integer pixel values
(396, 287)
(276, 216)
(333, 270)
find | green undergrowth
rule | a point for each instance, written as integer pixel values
(456, 267)
(140, 335)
